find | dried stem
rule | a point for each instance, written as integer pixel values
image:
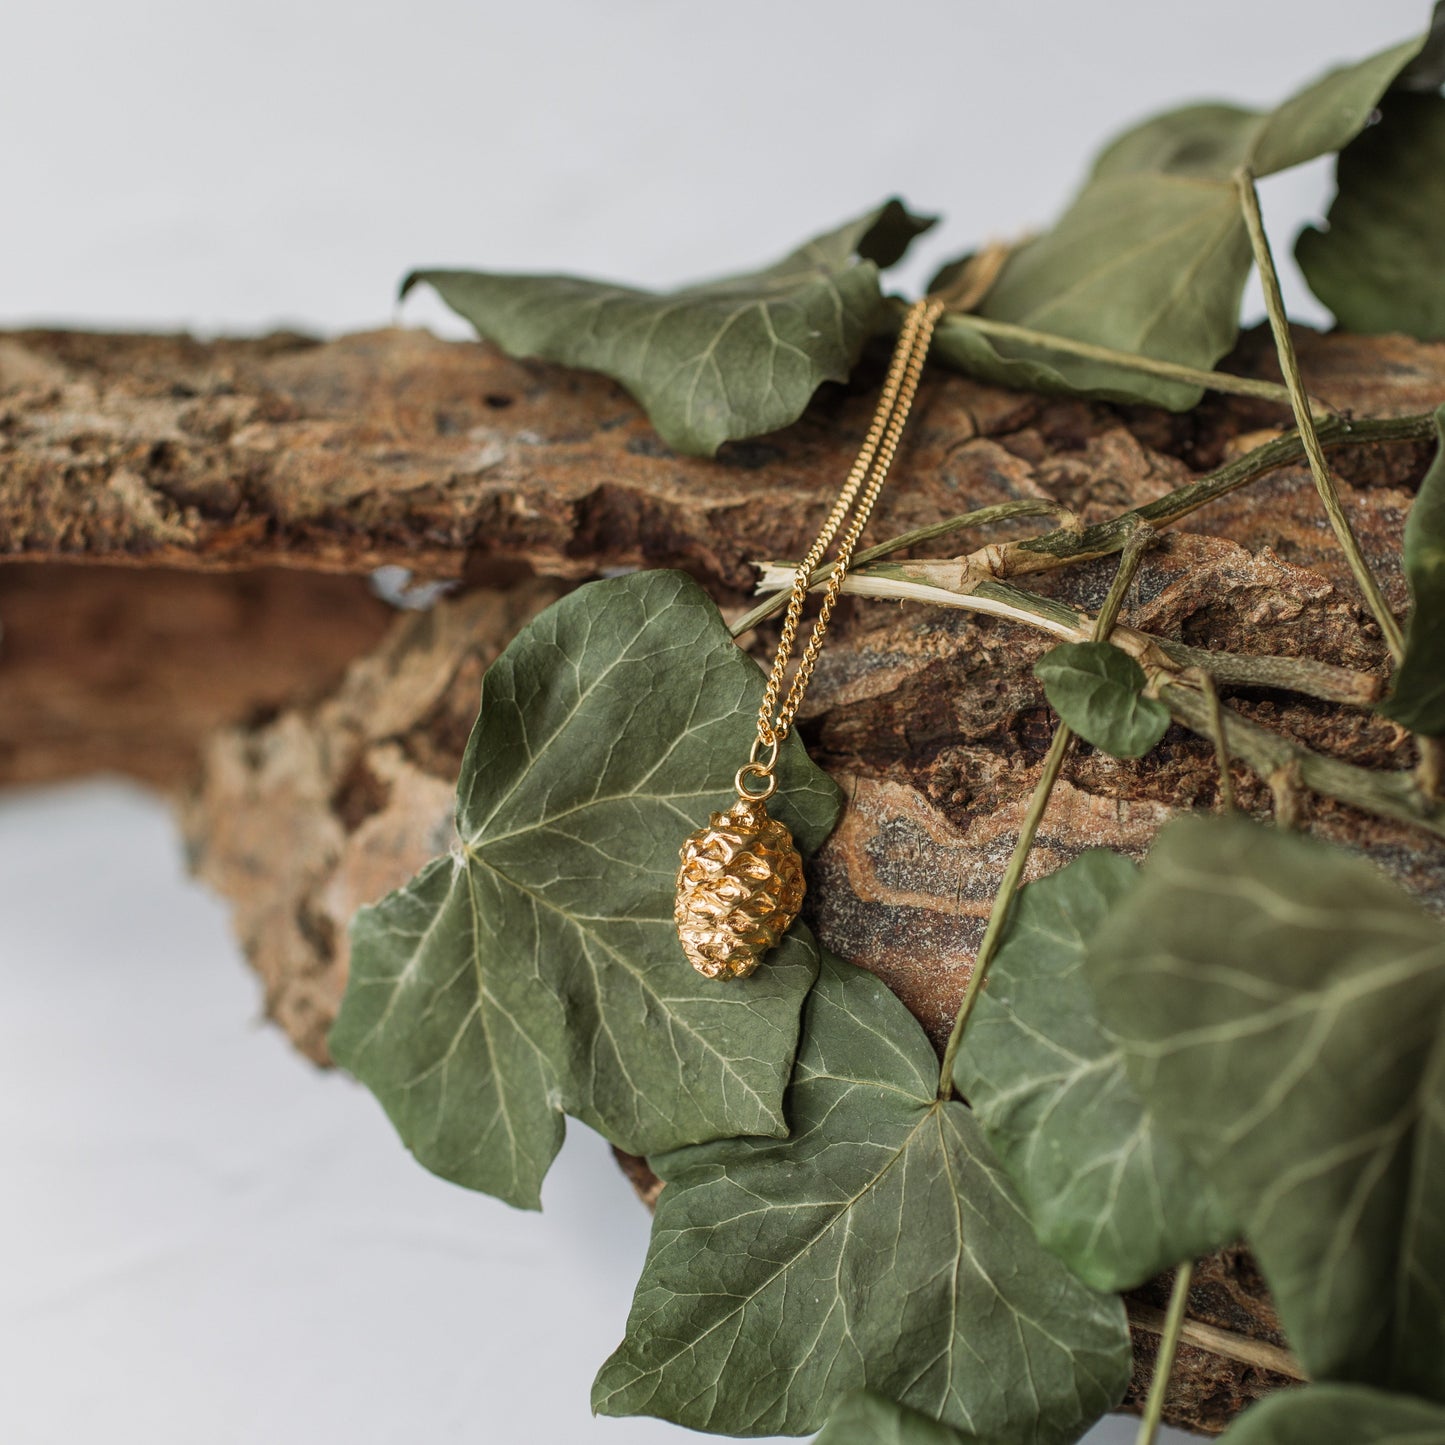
(1216, 730)
(1430, 771)
(1140, 536)
(1386, 794)
(1001, 512)
(999, 915)
(1067, 545)
(1259, 1354)
(1222, 381)
(1319, 467)
(946, 582)
(1164, 1360)
(1003, 900)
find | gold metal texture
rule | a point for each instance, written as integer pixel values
(740, 882)
(739, 888)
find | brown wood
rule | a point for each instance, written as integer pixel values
(217, 459)
(104, 670)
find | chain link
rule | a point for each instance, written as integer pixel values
(867, 476)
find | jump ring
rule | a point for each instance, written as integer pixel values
(754, 770)
(772, 746)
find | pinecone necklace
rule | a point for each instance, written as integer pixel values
(740, 882)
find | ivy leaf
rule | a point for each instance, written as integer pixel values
(1380, 265)
(1111, 1195)
(1279, 1007)
(537, 970)
(1153, 255)
(961, 346)
(1417, 694)
(864, 1418)
(880, 1246)
(1098, 689)
(1339, 1415)
(710, 362)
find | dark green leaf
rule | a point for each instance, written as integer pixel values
(1099, 691)
(878, 1247)
(1339, 1415)
(1279, 1007)
(864, 1418)
(1427, 70)
(1380, 265)
(1153, 255)
(1113, 1197)
(961, 346)
(1417, 694)
(537, 969)
(711, 362)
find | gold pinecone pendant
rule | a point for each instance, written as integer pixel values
(739, 887)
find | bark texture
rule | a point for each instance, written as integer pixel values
(111, 671)
(517, 480)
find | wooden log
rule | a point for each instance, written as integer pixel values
(516, 480)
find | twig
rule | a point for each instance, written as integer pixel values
(1001, 512)
(1293, 674)
(1319, 467)
(946, 581)
(1225, 1343)
(1284, 787)
(1281, 761)
(1386, 794)
(1216, 729)
(1164, 1360)
(1066, 545)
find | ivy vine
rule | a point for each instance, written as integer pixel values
(1244, 1039)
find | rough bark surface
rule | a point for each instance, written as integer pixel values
(111, 671)
(517, 480)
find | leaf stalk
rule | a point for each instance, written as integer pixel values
(1164, 1360)
(1003, 901)
(1314, 452)
(1220, 381)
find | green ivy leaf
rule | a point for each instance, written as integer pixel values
(864, 1418)
(1417, 694)
(1098, 689)
(1279, 1007)
(1153, 255)
(961, 346)
(1110, 1194)
(1380, 264)
(1339, 1415)
(711, 362)
(537, 970)
(880, 1246)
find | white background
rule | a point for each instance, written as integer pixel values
(202, 1239)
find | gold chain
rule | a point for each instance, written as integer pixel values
(869, 473)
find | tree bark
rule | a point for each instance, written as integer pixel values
(308, 792)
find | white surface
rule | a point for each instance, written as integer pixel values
(205, 1241)
(201, 1239)
(242, 163)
